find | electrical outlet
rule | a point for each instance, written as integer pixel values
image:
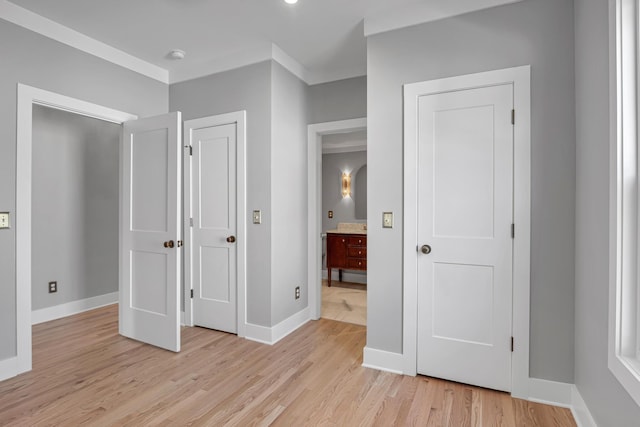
(4, 219)
(297, 292)
(257, 217)
(53, 287)
(330, 214)
(387, 219)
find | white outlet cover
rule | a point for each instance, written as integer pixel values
(257, 217)
(4, 219)
(387, 219)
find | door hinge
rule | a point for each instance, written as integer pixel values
(513, 231)
(190, 147)
(192, 297)
(511, 344)
(513, 117)
(190, 222)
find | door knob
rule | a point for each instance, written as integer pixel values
(169, 244)
(231, 239)
(426, 249)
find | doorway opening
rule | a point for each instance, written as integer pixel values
(316, 134)
(74, 222)
(28, 97)
(344, 227)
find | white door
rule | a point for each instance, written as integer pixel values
(214, 247)
(150, 224)
(465, 188)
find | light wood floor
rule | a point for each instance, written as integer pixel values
(345, 302)
(86, 374)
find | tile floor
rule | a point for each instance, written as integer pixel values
(345, 302)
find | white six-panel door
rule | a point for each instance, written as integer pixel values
(150, 224)
(214, 236)
(465, 212)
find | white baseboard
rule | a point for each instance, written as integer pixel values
(382, 360)
(9, 368)
(550, 392)
(271, 335)
(73, 307)
(347, 277)
(579, 410)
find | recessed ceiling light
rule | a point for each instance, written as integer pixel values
(291, 1)
(177, 54)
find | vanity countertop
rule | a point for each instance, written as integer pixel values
(349, 228)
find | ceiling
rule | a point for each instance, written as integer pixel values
(318, 40)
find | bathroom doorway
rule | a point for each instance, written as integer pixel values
(337, 164)
(344, 227)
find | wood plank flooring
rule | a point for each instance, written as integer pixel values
(86, 374)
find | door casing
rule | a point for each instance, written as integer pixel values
(27, 96)
(520, 78)
(239, 119)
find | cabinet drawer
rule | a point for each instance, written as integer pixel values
(357, 241)
(356, 263)
(357, 251)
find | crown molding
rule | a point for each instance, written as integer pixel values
(423, 11)
(58, 32)
(22, 17)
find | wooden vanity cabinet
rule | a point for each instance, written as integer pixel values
(346, 252)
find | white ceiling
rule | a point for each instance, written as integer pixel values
(319, 40)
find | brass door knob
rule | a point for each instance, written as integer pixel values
(231, 239)
(426, 249)
(169, 244)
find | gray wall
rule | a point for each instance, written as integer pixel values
(339, 100)
(608, 402)
(74, 207)
(289, 118)
(344, 209)
(247, 88)
(37, 61)
(539, 33)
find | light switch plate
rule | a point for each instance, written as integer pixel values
(387, 219)
(257, 217)
(4, 219)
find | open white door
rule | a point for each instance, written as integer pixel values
(150, 228)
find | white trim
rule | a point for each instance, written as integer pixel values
(74, 307)
(27, 96)
(550, 392)
(520, 78)
(623, 206)
(282, 58)
(314, 202)
(58, 32)
(239, 118)
(394, 18)
(579, 409)
(382, 360)
(271, 335)
(9, 368)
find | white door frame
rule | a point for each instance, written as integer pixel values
(314, 202)
(27, 97)
(239, 118)
(520, 78)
